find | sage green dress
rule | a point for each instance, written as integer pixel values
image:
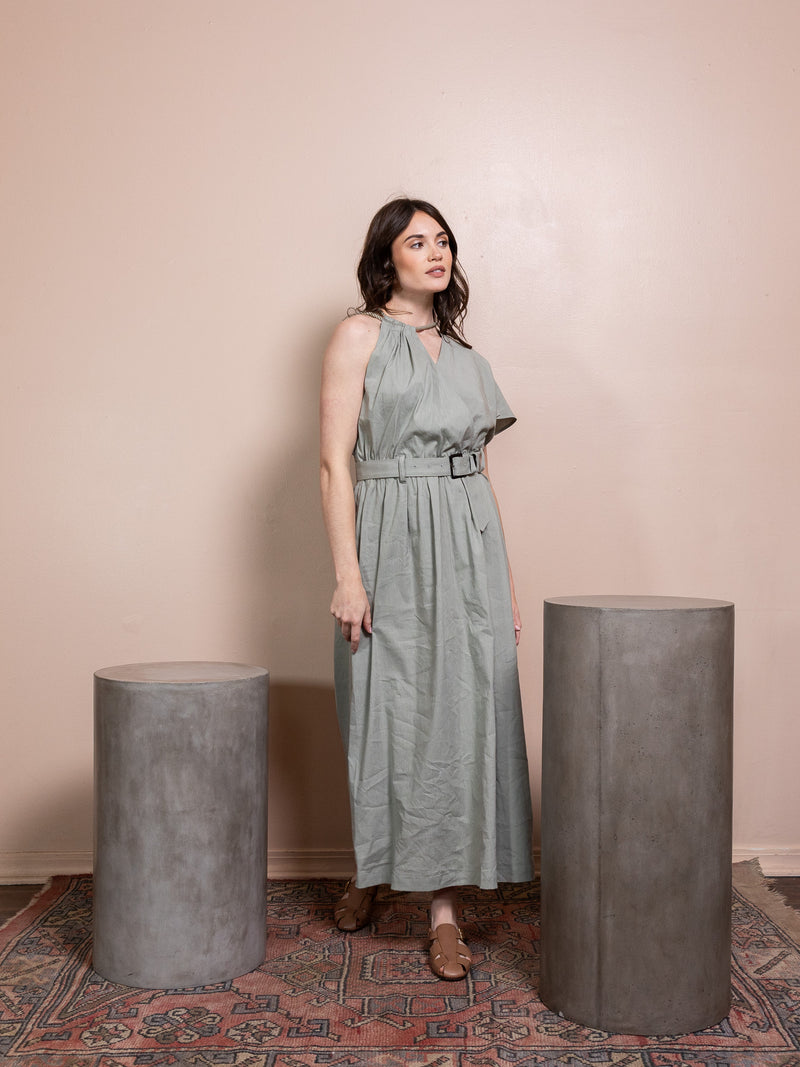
(429, 705)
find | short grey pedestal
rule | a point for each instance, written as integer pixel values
(636, 812)
(180, 854)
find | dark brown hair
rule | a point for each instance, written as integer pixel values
(376, 274)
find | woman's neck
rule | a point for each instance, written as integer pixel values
(414, 312)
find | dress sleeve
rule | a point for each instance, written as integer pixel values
(504, 416)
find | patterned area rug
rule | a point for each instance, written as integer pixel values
(329, 999)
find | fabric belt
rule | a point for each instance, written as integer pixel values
(459, 465)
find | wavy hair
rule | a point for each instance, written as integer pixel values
(376, 274)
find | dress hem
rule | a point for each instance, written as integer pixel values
(404, 886)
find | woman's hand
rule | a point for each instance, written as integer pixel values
(351, 610)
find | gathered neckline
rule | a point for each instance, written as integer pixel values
(381, 316)
(417, 329)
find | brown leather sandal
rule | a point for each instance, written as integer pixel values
(353, 910)
(449, 956)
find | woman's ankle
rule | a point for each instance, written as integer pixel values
(443, 907)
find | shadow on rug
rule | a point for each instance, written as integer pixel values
(368, 999)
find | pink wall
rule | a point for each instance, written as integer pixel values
(186, 185)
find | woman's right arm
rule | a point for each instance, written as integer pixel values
(343, 370)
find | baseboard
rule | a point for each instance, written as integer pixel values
(295, 863)
(37, 867)
(775, 862)
(18, 868)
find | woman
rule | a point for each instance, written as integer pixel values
(427, 689)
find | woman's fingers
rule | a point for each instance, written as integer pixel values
(351, 631)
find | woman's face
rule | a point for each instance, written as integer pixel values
(422, 258)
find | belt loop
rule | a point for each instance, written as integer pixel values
(401, 467)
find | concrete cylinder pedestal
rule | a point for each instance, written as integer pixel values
(636, 812)
(180, 852)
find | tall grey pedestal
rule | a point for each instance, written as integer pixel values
(636, 812)
(180, 855)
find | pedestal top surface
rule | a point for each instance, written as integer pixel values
(188, 671)
(639, 603)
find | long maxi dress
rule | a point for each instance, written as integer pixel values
(429, 706)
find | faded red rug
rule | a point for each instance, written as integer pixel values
(329, 999)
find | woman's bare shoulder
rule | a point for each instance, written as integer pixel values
(358, 328)
(353, 340)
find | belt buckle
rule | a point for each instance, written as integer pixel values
(457, 455)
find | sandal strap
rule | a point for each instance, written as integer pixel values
(447, 947)
(355, 903)
(354, 897)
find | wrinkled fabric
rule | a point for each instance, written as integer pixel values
(429, 706)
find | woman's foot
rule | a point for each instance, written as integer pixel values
(353, 910)
(450, 958)
(448, 953)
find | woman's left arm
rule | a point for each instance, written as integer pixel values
(514, 605)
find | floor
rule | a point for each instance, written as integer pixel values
(789, 888)
(13, 898)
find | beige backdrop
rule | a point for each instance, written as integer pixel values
(185, 188)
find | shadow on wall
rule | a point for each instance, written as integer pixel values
(309, 809)
(285, 571)
(60, 821)
(286, 583)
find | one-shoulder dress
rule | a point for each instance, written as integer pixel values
(429, 706)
